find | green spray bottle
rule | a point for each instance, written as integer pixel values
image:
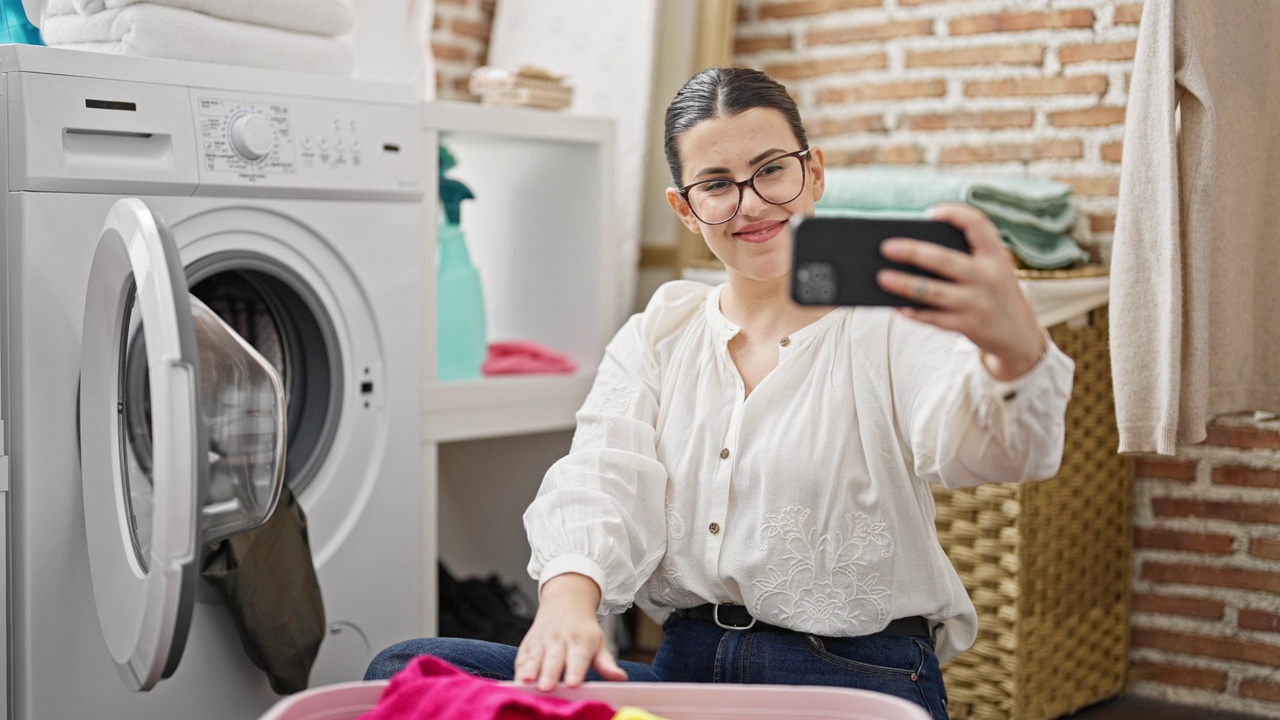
(461, 344)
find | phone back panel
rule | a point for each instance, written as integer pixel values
(836, 258)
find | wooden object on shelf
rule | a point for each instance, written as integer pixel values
(1048, 564)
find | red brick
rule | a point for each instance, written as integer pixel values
(1112, 152)
(1246, 477)
(896, 155)
(1242, 436)
(1003, 152)
(826, 127)
(863, 33)
(1260, 689)
(1180, 675)
(448, 51)
(1088, 117)
(970, 56)
(1165, 468)
(827, 66)
(749, 45)
(1102, 223)
(1245, 512)
(470, 28)
(1158, 539)
(1070, 54)
(1250, 619)
(1106, 185)
(800, 8)
(1265, 548)
(1075, 85)
(850, 158)
(901, 155)
(884, 91)
(985, 120)
(1128, 14)
(1207, 646)
(1171, 605)
(1224, 577)
(1015, 22)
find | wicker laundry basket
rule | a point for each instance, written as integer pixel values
(1048, 564)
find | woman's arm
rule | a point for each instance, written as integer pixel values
(991, 409)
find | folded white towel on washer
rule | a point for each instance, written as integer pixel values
(165, 32)
(322, 17)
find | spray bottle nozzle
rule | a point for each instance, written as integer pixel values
(452, 192)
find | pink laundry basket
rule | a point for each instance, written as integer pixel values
(673, 701)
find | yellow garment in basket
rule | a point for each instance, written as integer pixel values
(634, 713)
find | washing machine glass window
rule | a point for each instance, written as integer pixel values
(242, 406)
(278, 313)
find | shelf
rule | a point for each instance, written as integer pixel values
(503, 406)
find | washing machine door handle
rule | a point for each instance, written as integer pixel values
(143, 450)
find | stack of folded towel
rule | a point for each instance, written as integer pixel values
(283, 34)
(1034, 215)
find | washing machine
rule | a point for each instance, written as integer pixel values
(289, 204)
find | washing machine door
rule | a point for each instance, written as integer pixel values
(181, 440)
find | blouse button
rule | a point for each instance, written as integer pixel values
(724, 454)
(714, 528)
(784, 341)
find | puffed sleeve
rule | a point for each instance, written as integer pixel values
(966, 428)
(600, 510)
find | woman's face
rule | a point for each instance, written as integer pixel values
(756, 243)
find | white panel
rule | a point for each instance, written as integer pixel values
(606, 51)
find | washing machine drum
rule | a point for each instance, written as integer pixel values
(182, 440)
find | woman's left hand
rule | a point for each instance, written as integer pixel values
(979, 295)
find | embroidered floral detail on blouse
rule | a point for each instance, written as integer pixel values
(675, 524)
(665, 588)
(611, 402)
(827, 584)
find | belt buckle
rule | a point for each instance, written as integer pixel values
(715, 615)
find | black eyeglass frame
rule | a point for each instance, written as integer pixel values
(802, 155)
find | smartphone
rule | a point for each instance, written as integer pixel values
(835, 259)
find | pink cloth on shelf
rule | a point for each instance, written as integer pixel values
(525, 356)
(429, 688)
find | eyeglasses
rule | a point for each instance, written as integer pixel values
(777, 182)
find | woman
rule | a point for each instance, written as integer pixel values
(760, 469)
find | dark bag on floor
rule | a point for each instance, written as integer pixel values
(483, 609)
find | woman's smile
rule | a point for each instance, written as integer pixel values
(760, 232)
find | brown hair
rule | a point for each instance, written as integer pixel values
(724, 92)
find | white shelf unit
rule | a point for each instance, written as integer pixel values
(541, 233)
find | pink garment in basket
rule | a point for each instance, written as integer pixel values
(429, 688)
(525, 356)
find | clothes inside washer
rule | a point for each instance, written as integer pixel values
(268, 582)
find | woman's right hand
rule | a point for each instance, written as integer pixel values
(566, 639)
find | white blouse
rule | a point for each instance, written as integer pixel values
(807, 501)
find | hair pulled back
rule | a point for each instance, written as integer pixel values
(725, 92)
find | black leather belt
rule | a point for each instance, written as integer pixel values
(736, 617)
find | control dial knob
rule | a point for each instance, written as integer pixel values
(250, 136)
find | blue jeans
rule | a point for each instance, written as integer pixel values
(699, 651)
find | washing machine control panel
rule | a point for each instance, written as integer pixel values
(246, 140)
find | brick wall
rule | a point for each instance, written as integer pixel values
(1206, 620)
(460, 44)
(978, 86)
(1033, 87)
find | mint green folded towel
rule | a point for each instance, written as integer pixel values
(1034, 215)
